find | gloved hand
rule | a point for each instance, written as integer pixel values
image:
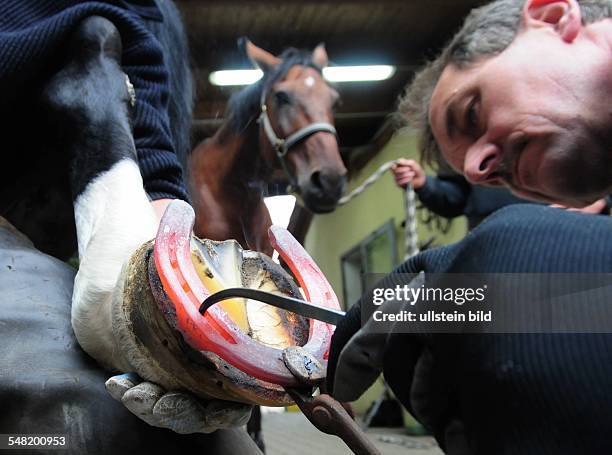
(357, 354)
(176, 411)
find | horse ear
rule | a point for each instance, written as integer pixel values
(319, 56)
(260, 58)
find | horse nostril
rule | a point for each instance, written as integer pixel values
(327, 184)
(315, 179)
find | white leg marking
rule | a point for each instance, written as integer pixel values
(113, 218)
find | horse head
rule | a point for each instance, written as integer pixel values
(296, 124)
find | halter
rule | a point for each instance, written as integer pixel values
(283, 146)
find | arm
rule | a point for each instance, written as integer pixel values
(445, 195)
(153, 123)
(161, 172)
(160, 206)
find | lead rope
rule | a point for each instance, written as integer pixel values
(411, 236)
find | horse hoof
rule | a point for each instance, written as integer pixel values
(235, 351)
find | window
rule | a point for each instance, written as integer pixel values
(377, 253)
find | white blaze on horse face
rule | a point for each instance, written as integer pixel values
(309, 81)
(113, 218)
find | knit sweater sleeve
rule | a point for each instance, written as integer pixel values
(159, 166)
(33, 34)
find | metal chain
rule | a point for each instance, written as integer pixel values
(411, 236)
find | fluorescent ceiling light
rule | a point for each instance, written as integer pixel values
(331, 73)
(235, 77)
(358, 73)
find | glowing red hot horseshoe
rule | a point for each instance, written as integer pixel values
(215, 331)
(313, 282)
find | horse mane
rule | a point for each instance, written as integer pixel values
(243, 107)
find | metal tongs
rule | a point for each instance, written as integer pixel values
(322, 410)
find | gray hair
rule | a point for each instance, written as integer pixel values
(486, 32)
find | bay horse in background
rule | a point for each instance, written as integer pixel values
(283, 124)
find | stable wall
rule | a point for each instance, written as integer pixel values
(331, 235)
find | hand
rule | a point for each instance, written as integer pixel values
(176, 411)
(408, 171)
(160, 206)
(595, 208)
(357, 353)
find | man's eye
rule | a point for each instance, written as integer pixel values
(472, 115)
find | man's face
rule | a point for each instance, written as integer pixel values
(537, 118)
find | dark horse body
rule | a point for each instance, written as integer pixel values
(228, 172)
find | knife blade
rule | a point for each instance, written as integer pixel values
(297, 306)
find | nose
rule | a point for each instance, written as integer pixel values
(481, 163)
(328, 182)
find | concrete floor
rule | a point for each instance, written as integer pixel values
(290, 433)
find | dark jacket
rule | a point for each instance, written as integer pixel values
(451, 196)
(514, 393)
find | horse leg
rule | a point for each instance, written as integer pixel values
(89, 97)
(255, 227)
(216, 197)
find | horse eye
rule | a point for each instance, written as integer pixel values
(337, 102)
(282, 98)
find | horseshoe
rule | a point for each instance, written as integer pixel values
(215, 331)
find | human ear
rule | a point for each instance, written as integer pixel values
(562, 15)
(260, 58)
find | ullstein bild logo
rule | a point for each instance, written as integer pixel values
(434, 316)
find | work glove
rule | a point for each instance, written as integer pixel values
(357, 354)
(177, 411)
